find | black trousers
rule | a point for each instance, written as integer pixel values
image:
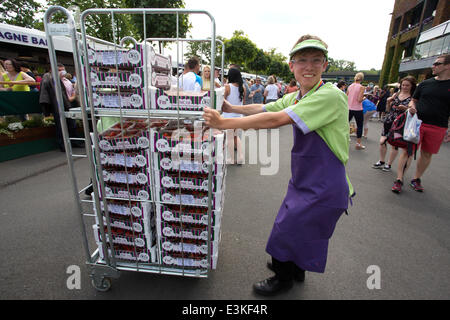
(359, 117)
(71, 127)
(285, 270)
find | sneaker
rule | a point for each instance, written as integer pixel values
(386, 168)
(397, 187)
(378, 165)
(359, 147)
(415, 184)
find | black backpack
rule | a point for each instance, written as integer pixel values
(395, 135)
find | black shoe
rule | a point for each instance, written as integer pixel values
(89, 190)
(271, 286)
(299, 274)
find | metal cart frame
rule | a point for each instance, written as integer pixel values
(102, 271)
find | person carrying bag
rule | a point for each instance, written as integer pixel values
(411, 132)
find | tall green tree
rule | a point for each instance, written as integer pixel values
(202, 49)
(240, 49)
(340, 65)
(260, 63)
(21, 13)
(278, 65)
(160, 25)
(102, 25)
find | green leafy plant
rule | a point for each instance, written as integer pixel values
(7, 132)
(36, 121)
(11, 119)
(48, 122)
(12, 124)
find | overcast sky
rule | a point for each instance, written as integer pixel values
(354, 30)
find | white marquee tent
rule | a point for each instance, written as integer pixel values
(31, 37)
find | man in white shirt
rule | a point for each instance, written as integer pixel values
(190, 80)
(216, 77)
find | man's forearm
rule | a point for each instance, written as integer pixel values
(248, 109)
(266, 120)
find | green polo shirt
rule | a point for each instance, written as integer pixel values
(104, 123)
(324, 111)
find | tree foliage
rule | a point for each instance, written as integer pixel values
(202, 49)
(276, 63)
(19, 12)
(159, 25)
(240, 49)
(340, 65)
(104, 26)
(260, 63)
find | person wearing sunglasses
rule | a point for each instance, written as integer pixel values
(319, 190)
(431, 102)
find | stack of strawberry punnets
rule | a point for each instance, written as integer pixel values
(125, 170)
(182, 156)
(119, 76)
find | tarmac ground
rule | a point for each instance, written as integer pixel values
(402, 239)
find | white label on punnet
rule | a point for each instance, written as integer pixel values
(137, 212)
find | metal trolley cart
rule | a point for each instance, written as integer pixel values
(158, 175)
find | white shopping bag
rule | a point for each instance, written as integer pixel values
(411, 130)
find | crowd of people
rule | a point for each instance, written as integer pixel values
(17, 76)
(430, 100)
(22, 78)
(197, 78)
(237, 90)
(19, 73)
(49, 103)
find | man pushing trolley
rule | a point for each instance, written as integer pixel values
(319, 189)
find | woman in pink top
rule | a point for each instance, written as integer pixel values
(355, 93)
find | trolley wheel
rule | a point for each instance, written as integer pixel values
(104, 285)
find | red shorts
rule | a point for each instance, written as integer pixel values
(431, 137)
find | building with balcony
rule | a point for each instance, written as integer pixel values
(417, 35)
(430, 44)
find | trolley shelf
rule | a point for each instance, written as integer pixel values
(75, 113)
(150, 268)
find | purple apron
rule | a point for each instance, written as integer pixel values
(317, 196)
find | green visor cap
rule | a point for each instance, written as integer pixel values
(310, 43)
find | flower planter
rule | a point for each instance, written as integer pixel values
(27, 134)
(27, 142)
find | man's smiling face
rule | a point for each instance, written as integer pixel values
(307, 67)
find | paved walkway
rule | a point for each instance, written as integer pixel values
(405, 236)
